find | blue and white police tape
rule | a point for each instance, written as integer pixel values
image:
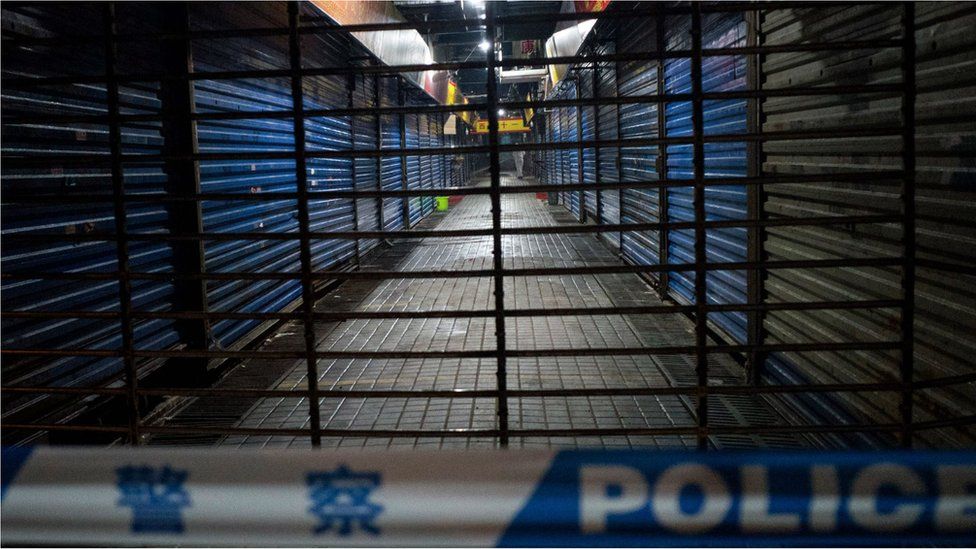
(569, 498)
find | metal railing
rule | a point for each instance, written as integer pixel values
(705, 346)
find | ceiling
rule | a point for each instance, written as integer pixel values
(461, 46)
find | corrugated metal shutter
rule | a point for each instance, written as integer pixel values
(73, 179)
(414, 180)
(233, 176)
(609, 156)
(323, 133)
(945, 316)
(568, 159)
(638, 120)
(364, 129)
(588, 126)
(721, 160)
(390, 165)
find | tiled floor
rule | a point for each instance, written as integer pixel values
(590, 331)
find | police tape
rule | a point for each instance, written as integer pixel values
(173, 496)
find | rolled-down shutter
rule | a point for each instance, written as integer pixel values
(638, 121)
(726, 159)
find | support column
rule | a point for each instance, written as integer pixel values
(179, 133)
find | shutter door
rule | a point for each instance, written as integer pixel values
(945, 314)
(638, 120)
(721, 160)
(609, 156)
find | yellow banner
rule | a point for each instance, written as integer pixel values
(505, 125)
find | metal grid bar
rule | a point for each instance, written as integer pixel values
(501, 374)
(301, 182)
(907, 198)
(701, 317)
(122, 244)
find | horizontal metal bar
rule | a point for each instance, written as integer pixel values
(457, 233)
(712, 430)
(511, 353)
(474, 273)
(786, 135)
(860, 177)
(731, 390)
(486, 313)
(433, 109)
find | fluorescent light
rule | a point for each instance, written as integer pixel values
(484, 45)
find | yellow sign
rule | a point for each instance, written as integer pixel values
(505, 125)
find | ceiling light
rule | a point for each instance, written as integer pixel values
(484, 45)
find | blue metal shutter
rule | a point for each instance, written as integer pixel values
(589, 133)
(390, 165)
(367, 212)
(638, 120)
(568, 169)
(610, 200)
(413, 168)
(66, 218)
(721, 160)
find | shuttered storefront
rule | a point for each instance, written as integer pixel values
(946, 133)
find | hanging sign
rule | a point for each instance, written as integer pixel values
(505, 125)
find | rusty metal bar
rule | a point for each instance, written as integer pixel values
(501, 352)
(755, 203)
(301, 181)
(474, 313)
(894, 176)
(701, 293)
(907, 199)
(95, 160)
(131, 376)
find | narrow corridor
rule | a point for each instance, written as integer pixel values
(524, 333)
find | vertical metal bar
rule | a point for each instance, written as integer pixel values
(663, 242)
(351, 91)
(697, 118)
(581, 196)
(121, 230)
(301, 182)
(402, 121)
(908, 224)
(378, 127)
(755, 200)
(496, 225)
(597, 156)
